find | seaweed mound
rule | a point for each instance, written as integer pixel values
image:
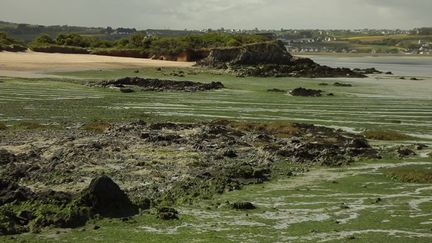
(148, 84)
(306, 92)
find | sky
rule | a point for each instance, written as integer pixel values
(230, 14)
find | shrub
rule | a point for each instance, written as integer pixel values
(44, 39)
(9, 44)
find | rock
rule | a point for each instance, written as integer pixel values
(306, 92)
(230, 153)
(243, 206)
(367, 71)
(126, 90)
(166, 213)
(389, 73)
(338, 84)
(344, 206)
(359, 143)
(6, 157)
(104, 197)
(277, 90)
(421, 146)
(405, 152)
(12, 192)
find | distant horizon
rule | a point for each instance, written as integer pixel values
(215, 14)
(185, 29)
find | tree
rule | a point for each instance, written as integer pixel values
(44, 39)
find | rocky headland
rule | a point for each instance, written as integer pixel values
(271, 59)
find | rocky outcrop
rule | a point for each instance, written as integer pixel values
(251, 54)
(147, 84)
(270, 59)
(161, 164)
(243, 206)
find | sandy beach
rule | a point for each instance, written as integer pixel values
(33, 64)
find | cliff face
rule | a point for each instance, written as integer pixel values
(251, 54)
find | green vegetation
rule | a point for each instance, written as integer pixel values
(141, 43)
(410, 174)
(9, 44)
(386, 135)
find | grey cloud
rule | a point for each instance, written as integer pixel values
(198, 14)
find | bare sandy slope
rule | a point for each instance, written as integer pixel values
(34, 64)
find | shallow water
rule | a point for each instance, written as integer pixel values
(399, 65)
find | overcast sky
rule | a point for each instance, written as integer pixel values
(199, 14)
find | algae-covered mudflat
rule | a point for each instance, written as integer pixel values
(380, 101)
(370, 200)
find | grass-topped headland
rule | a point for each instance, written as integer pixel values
(187, 48)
